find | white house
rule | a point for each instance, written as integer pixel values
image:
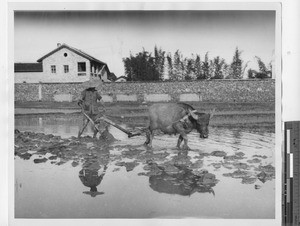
(63, 64)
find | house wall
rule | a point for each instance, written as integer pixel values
(29, 77)
(104, 76)
(96, 70)
(58, 59)
(206, 91)
(37, 77)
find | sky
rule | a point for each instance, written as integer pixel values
(111, 36)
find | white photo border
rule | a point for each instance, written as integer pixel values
(36, 6)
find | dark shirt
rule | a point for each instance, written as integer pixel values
(90, 98)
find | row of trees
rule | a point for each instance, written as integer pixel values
(145, 67)
(164, 66)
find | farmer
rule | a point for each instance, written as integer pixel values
(88, 102)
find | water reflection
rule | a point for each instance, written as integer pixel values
(180, 176)
(175, 175)
(55, 124)
(184, 183)
(91, 178)
(148, 176)
(93, 170)
(236, 134)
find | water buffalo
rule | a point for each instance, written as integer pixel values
(176, 118)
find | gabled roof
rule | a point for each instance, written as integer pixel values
(28, 67)
(122, 77)
(77, 51)
(111, 76)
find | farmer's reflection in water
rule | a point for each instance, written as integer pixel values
(92, 178)
(92, 173)
(179, 177)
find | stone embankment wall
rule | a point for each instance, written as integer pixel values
(205, 91)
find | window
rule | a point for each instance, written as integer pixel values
(81, 67)
(53, 69)
(66, 68)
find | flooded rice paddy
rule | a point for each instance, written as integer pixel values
(229, 175)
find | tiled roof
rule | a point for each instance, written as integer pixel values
(77, 51)
(28, 67)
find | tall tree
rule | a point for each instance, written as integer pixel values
(141, 67)
(205, 68)
(189, 73)
(264, 71)
(236, 65)
(218, 66)
(262, 67)
(225, 70)
(197, 67)
(159, 56)
(178, 66)
(170, 67)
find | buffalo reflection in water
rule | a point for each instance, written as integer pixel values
(183, 179)
(184, 183)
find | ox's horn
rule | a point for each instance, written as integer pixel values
(192, 113)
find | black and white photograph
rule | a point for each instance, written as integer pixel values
(150, 113)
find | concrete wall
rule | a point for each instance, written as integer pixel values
(27, 92)
(157, 97)
(190, 97)
(126, 97)
(206, 91)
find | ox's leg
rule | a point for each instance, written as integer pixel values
(180, 139)
(185, 140)
(149, 137)
(180, 129)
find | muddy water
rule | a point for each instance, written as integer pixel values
(228, 175)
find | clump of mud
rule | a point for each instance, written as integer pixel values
(36, 146)
(249, 171)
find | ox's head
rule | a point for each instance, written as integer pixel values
(202, 122)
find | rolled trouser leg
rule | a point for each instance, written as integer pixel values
(84, 125)
(95, 127)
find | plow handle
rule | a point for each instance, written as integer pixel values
(88, 117)
(130, 134)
